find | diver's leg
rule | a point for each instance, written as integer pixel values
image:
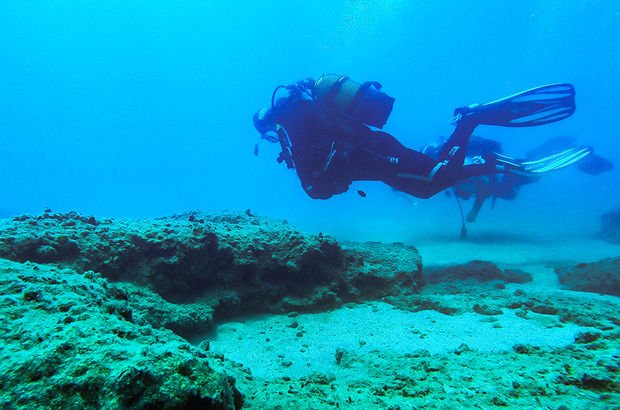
(384, 158)
(381, 157)
(436, 180)
(455, 148)
(475, 209)
(449, 168)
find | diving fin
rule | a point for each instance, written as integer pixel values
(540, 166)
(557, 161)
(536, 106)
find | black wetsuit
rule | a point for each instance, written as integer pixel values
(330, 151)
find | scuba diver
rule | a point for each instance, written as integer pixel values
(329, 132)
(507, 185)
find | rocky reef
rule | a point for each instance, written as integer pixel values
(476, 272)
(97, 313)
(610, 226)
(601, 277)
(226, 263)
(69, 340)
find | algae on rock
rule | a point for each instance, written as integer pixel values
(69, 340)
(231, 263)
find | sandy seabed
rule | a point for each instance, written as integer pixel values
(377, 355)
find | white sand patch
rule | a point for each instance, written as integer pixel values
(270, 348)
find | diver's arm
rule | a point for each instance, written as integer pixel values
(322, 171)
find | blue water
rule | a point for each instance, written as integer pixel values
(143, 108)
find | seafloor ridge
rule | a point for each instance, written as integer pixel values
(161, 313)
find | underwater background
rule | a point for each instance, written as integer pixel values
(143, 108)
(151, 257)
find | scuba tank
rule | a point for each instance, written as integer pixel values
(365, 103)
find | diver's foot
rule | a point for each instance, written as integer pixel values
(489, 160)
(500, 164)
(465, 113)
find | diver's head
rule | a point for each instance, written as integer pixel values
(265, 124)
(263, 120)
